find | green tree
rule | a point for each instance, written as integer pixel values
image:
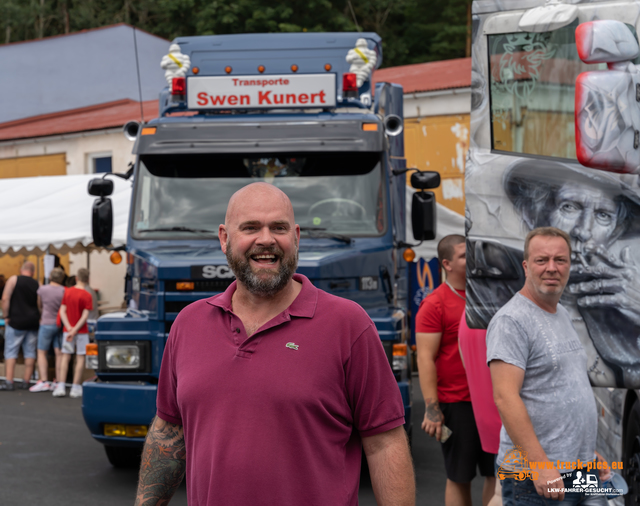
(412, 31)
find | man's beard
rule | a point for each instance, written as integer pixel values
(548, 290)
(263, 287)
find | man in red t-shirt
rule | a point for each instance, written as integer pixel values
(443, 380)
(74, 312)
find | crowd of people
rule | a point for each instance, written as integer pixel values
(38, 318)
(317, 388)
(309, 363)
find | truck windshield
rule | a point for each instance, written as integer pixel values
(533, 79)
(180, 196)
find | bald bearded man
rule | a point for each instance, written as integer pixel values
(269, 391)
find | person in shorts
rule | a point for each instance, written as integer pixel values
(22, 318)
(49, 300)
(444, 382)
(74, 312)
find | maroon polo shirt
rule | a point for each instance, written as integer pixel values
(276, 418)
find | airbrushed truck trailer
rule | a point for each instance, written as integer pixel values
(293, 110)
(556, 90)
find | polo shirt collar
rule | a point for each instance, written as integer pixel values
(303, 306)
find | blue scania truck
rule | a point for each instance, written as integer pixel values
(287, 109)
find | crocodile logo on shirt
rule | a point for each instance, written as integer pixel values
(292, 346)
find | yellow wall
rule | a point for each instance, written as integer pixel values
(29, 166)
(440, 143)
(10, 265)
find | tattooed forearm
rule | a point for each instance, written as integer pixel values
(433, 410)
(163, 464)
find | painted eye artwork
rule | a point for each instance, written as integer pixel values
(599, 212)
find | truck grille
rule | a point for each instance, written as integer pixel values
(175, 306)
(201, 285)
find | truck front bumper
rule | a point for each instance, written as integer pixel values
(129, 403)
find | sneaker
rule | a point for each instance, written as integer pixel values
(41, 386)
(59, 390)
(52, 385)
(7, 385)
(76, 391)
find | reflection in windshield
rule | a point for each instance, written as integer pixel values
(274, 166)
(333, 193)
(532, 91)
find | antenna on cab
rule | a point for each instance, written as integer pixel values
(135, 45)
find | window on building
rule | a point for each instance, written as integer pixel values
(100, 162)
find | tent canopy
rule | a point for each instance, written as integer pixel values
(55, 212)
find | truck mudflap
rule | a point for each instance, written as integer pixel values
(125, 403)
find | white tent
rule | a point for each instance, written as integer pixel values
(55, 211)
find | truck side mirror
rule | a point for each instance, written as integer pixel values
(100, 187)
(489, 259)
(423, 215)
(607, 109)
(102, 212)
(425, 180)
(102, 222)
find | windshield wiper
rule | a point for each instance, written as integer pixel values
(319, 232)
(179, 229)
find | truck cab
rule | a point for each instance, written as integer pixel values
(554, 142)
(286, 109)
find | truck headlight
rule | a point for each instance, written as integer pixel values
(91, 357)
(400, 359)
(400, 362)
(123, 357)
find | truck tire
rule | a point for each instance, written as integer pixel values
(631, 455)
(123, 457)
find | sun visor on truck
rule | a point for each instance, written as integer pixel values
(263, 137)
(261, 165)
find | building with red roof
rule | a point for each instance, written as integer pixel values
(437, 101)
(88, 138)
(431, 76)
(73, 96)
(69, 99)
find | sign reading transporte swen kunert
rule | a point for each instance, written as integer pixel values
(272, 91)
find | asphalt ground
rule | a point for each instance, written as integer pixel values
(48, 457)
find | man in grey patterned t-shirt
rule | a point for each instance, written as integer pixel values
(540, 383)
